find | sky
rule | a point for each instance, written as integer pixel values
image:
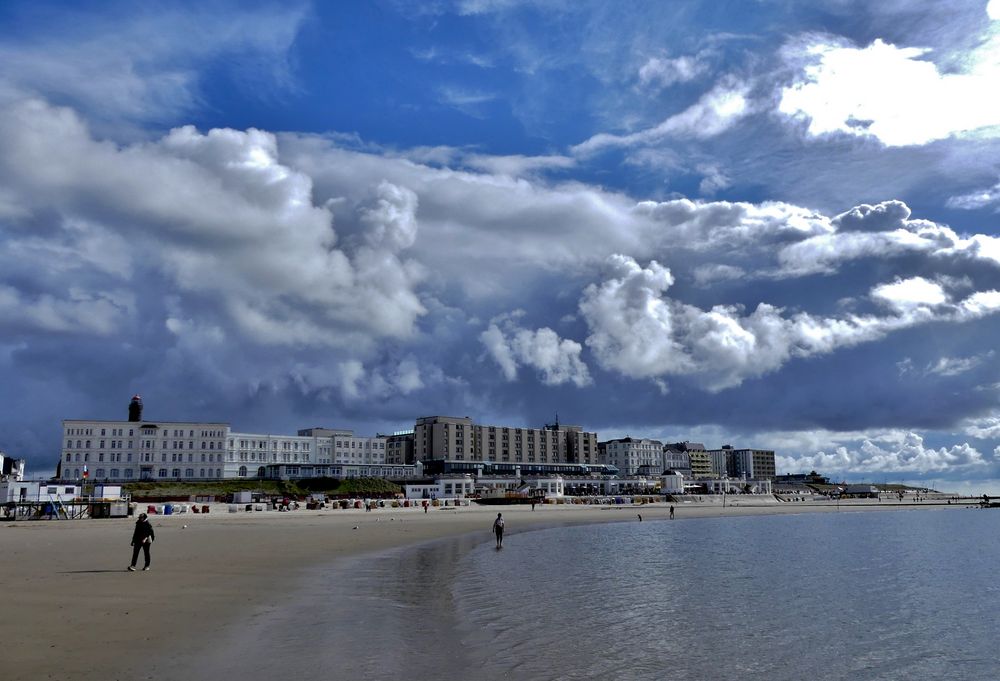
(767, 224)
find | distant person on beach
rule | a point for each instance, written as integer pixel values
(640, 517)
(498, 529)
(671, 512)
(142, 538)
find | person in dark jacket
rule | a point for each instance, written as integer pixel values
(498, 529)
(142, 538)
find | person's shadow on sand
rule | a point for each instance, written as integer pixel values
(85, 572)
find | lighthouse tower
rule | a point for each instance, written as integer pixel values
(135, 408)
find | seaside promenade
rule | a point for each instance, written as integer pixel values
(71, 611)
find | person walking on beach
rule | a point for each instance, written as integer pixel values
(498, 529)
(142, 538)
(671, 511)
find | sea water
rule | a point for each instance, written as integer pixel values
(873, 595)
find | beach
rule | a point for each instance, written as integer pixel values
(71, 611)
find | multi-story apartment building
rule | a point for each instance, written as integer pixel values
(460, 439)
(720, 463)
(698, 460)
(632, 456)
(749, 464)
(138, 449)
(343, 446)
(399, 447)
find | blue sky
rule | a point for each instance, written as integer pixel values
(767, 224)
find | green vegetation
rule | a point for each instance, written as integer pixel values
(296, 488)
(349, 486)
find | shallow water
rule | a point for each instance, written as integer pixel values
(887, 595)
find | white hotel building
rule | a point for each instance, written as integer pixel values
(167, 450)
(633, 456)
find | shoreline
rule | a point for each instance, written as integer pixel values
(74, 612)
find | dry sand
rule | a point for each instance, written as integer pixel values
(71, 611)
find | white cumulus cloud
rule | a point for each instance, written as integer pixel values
(984, 427)
(556, 359)
(910, 294)
(883, 231)
(908, 454)
(218, 214)
(638, 331)
(894, 94)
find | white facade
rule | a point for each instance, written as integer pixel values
(736, 486)
(675, 460)
(35, 491)
(672, 483)
(448, 487)
(11, 468)
(630, 455)
(251, 453)
(143, 450)
(164, 450)
(388, 471)
(443, 488)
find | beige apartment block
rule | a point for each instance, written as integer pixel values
(454, 438)
(752, 464)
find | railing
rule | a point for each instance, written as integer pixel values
(55, 508)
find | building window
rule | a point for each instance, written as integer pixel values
(243, 471)
(162, 473)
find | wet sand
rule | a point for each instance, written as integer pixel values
(71, 611)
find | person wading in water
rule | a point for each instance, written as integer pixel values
(498, 529)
